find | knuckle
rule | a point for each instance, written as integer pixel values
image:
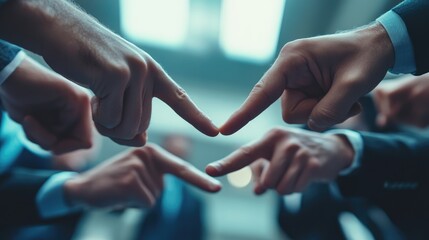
(136, 165)
(83, 98)
(127, 181)
(313, 165)
(181, 94)
(329, 116)
(150, 149)
(294, 46)
(302, 155)
(276, 133)
(259, 89)
(290, 147)
(183, 168)
(121, 75)
(246, 150)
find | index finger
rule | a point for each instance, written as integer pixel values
(263, 94)
(241, 157)
(176, 97)
(178, 167)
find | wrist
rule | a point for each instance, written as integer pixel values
(73, 189)
(377, 40)
(346, 149)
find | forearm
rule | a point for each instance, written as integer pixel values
(39, 25)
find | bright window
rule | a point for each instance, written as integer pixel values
(250, 29)
(156, 22)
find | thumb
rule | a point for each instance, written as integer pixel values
(107, 111)
(335, 107)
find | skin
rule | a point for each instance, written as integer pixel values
(123, 77)
(320, 79)
(403, 101)
(54, 113)
(288, 160)
(133, 179)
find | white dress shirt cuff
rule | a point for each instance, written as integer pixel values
(50, 199)
(356, 141)
(403, 47)
(11, 67)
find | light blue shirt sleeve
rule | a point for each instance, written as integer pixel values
(403, 47)
(50, 199)
(356, 141)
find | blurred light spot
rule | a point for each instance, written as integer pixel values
(250, 29)
(353, 228)
(293, 202)
(240, 178)
(161, 22)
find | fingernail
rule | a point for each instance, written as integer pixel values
(315, 125)
(94, 105)
(216, 166)
(216, 185)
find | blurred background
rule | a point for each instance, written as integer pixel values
(216, 50)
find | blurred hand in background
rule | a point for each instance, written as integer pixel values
(403, 101)
(54, 113)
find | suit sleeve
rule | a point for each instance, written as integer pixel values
(395, 165)
(18, 191)
(415, 13)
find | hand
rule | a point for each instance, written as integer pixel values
(123, 78)
(403, 101)
(54, 113)
(320, 79)
(79, 160)
(293, 158)
(133, 179)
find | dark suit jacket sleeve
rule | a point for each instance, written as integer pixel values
(415, 15)
(18, 190)
(394, 165)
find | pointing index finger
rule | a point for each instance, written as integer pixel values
(178, 167)
(174, 96)
(241, 157)
(263, 94)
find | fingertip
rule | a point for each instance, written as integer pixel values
(212, 131)
(259, 190)
(226, 130)
(213, 169)
(315, 126)
(216, 186)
